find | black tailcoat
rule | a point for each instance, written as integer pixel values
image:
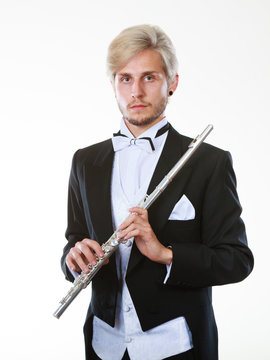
(209, 250)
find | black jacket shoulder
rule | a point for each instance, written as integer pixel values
(93, 153)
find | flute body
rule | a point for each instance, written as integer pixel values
(113, 242)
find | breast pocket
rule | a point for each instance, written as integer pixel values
(181, 231)
(183, 210)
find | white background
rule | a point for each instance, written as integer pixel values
(55, 98)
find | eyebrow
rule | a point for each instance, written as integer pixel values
(143, 74)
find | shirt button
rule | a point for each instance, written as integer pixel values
(128, 243)
(126, 308)
(128, 339)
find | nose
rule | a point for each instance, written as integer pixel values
(137, 89)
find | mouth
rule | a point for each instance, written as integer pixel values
(138, 106)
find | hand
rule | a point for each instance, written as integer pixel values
(137, 226)
(83, 253)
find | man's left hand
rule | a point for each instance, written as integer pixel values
(137, 226)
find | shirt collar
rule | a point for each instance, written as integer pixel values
(151, 132)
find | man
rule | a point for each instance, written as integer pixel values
(153, 299)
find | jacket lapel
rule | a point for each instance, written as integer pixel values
(175, 146)
(159, 212)
(98, 192)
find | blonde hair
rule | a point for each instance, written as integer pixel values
(135, 39)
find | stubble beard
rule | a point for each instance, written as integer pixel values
(157, 112)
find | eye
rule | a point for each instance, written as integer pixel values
(149, 78)
(126, 79)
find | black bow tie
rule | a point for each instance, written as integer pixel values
(121, 141)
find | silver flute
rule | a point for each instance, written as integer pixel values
(114, 241)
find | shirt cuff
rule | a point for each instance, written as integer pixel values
(74, 273)
(168, 270)
(168, 273)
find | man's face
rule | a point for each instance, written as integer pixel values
(141, 89)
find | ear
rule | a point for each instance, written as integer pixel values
(174, 83)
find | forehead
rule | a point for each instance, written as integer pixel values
(145, 61)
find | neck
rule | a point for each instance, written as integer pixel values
(137, 130)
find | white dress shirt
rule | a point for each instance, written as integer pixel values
(132, 171)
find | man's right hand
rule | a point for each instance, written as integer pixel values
(82, 254)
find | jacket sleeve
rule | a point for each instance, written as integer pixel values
(77, 228)
(221, 255)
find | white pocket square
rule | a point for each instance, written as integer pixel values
(183, 210)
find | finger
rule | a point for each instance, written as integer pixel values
(131, 231)
(122, 233)
(72, 265)
(129, 220)
(87, 253)
(79, 259)
(139, 211)
(94, 245)
(133, 218)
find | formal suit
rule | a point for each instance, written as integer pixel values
(209, 250)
